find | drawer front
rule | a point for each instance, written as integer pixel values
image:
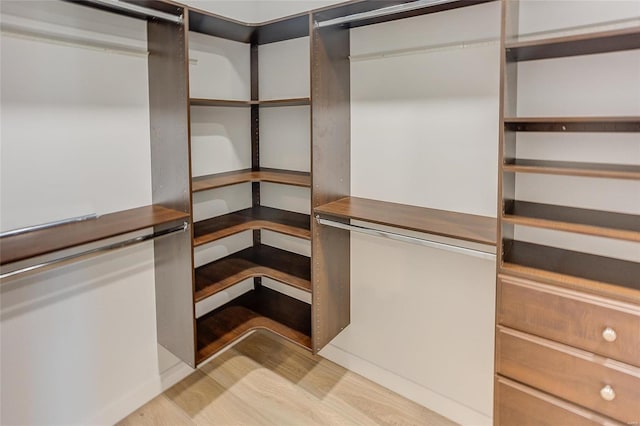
(596, 324)
(519, 405)
(582, 378)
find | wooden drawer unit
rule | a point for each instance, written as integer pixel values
(589, 322)
(596, 383)
(519, 405)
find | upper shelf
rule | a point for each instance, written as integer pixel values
(236, 103)
(571, 168)
(218, 180)
(574, 45)
(467, 227)
(573, 124)
(44, 241)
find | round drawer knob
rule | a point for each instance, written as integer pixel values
(607, 393)
(609, 334)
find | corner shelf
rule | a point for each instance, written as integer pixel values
(259, 217)
(534, 261)
(261, 308)
(574, 45)
(573, 124)
(467, 227)
(584, 221)
(218, 180)
(44, 241)
(239, 103)
(257, 261)
(570, 168)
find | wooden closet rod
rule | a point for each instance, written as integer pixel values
(407, 239)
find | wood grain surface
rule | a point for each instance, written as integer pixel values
(219, 180)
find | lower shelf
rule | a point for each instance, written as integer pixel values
(261, 308)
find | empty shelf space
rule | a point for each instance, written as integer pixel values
(48, 240)
(468, 227)
(533, 260)
(240, 103)
(218, 180)
(568, 168)
(573, 45)
(258, 261)
(260, 217)
(261, 308)
(571, 219)
(573, 124)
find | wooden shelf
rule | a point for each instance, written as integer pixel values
(591, 222)
(261, 308)
(573, 124)
(574, 45)
(468, 227)
(218, 180)
(44, 241)
(238, 103)
(568, 168)
(260, 217)
(258, 261)
(533, 261)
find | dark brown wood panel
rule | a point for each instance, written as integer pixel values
(30, 244)
(161, 6)
(530, 260)
(261, 308)
(569, 373)
(218, 180)
(468, 227)
(286, 28)
(218, 26)
(580, 44)
(521, 405)
(331, 168)
(257, 261)
(260, 217)
(571, 219)
(573, 124)
(284, 102)
(570, 317)
(241, 103)
(570, 168)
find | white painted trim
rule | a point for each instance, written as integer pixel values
(447, 407)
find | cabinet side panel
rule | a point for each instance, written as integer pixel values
(331, 179)
(170, 176)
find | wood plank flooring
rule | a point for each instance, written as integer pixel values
(265, 380)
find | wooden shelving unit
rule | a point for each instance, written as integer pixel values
(573, 124)
(257, 261)
(570, 168)
(259, 217)
(238, 103)
(44, 241)
(467, 227)
(285, 177)
(261, 308)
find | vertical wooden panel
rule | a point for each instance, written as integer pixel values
(171, 183)
(331, 179)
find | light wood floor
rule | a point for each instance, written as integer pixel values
(265, 380)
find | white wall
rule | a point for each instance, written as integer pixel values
(258, 10)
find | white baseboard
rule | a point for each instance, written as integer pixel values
(447, 407)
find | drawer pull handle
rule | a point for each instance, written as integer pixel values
(609, 334)
(607, 393)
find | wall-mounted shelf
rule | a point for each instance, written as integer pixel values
(218, 180)
(259, 217)
(44, 241)
(257, 261)
(239, 103)
(584, 221)
(570, 168)
(261, 308)
(467, 227)
(573, 45)
(573, 124)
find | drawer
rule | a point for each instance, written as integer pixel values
(519, 405)
(593, 323)
(571, 374)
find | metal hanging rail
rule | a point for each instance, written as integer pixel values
(407, 239)
(404, 7)
(134, 8)
(96, 251)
